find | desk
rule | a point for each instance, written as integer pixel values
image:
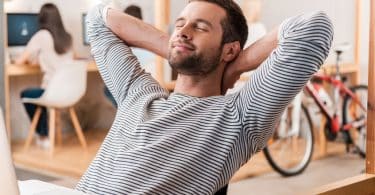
(12, 70)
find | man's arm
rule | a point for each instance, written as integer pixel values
(303, 45)
(118, 66)
(137, 33)
(249, 59)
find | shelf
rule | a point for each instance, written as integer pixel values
(326, 69)
(344, 68)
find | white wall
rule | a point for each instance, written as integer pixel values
(71, 12)
(364, 41)
(342, 15)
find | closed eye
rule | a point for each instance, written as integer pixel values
(179, 23)
(203, 25)
(201, 28)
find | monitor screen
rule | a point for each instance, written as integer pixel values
(21, 27)
(84, 30)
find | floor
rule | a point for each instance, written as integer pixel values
(319, 172)
(68, 160)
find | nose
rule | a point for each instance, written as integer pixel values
(185, 33)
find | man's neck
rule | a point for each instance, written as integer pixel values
(198, 86)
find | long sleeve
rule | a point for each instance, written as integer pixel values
(118, 66)
(304, 44)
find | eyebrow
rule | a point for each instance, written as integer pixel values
(199, 20)
(179, 19)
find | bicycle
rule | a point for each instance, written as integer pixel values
(295, 129)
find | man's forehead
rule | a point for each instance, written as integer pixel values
(203, 10)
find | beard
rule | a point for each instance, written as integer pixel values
(196, 63)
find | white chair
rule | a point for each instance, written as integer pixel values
(64, 90)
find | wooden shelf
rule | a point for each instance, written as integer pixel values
(347, 68)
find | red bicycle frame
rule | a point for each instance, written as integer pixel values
(333, 119)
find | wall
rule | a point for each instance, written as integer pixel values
(2, 100)
(364, 42)
(71, 17)
(342, 14)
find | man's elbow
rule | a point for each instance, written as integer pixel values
(321, 28)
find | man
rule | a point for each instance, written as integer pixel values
(193, 140)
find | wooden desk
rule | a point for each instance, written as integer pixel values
(12, 70)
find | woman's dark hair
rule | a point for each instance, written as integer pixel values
(134, 10)
(50, 19)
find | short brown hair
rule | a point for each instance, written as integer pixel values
(234, 25)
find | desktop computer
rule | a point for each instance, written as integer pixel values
(21, 27)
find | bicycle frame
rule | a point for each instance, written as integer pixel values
(343, 90)
(344, 103)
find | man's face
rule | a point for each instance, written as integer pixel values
(195, 45)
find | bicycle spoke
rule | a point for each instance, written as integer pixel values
(289, 153)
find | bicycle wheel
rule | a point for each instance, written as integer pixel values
(353, 112)
(288, 152)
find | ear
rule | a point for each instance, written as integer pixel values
(231, 51)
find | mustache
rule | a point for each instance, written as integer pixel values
(183, 43)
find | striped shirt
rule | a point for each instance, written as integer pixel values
(163, 143)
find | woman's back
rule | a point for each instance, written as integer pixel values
(42, 51)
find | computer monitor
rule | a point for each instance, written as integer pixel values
(84, 30)
(21, 27)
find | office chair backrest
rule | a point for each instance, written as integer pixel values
(65, 88)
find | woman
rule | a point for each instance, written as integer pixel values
(50, 47)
